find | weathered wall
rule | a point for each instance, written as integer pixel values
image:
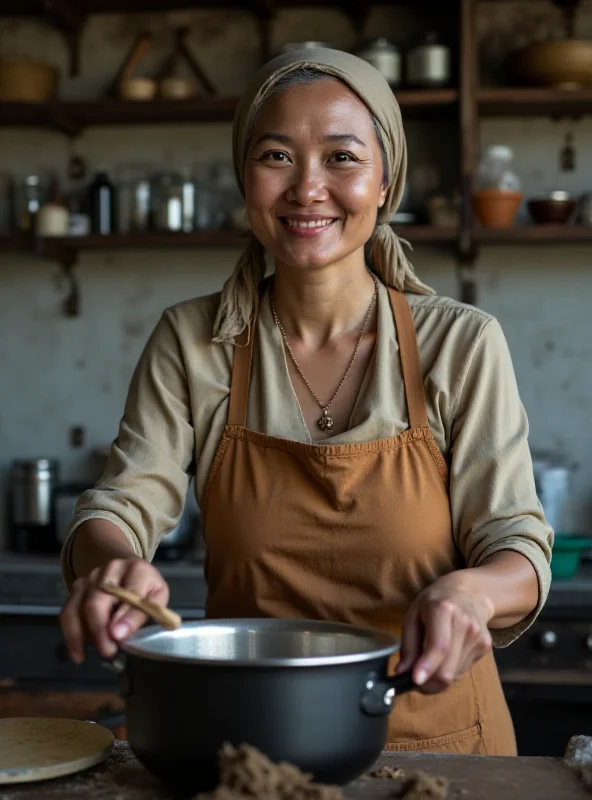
(57, 372)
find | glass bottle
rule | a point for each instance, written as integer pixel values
(102, 205)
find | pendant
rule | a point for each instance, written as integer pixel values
(326, 422)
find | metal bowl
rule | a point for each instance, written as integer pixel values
(554, 209)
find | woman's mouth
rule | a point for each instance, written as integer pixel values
(310, 227)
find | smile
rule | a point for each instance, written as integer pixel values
(307, 227)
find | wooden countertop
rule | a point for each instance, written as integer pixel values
(471, 778)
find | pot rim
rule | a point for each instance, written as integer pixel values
(380, 643)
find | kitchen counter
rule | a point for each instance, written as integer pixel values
(33, 584)
(471, 778)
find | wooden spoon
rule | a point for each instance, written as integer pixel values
(163, 616)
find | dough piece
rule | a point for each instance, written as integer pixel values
(246, 773)
(386, 773)
(425, 787)
(578, 757)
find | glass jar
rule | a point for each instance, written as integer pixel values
(167, 206)
(31, 192)
(135, 198)
(495, 170)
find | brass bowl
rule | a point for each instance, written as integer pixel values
(556, 209)
(565, 64)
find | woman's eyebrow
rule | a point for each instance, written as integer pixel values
(333, 137)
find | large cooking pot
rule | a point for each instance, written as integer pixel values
(316, 694)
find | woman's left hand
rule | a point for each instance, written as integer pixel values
(444, 633)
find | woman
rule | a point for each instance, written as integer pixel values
(360, 454)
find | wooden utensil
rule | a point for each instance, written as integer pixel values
(169, 620)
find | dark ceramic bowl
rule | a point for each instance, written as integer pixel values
(556, 209)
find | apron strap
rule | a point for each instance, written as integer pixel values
(241, 376)
(410, 363)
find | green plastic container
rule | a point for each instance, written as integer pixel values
(567, 551)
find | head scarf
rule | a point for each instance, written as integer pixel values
(240, 294)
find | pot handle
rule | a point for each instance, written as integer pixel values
(379, 695)
(118, 665)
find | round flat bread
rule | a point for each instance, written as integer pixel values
(35, 749)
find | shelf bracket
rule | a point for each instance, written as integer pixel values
(57, 120)
(67, 258)
(265, 11)
(358, 12)
(69, 19)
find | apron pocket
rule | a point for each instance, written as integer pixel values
(468, 741)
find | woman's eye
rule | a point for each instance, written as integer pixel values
(275, 155)
(342, 158)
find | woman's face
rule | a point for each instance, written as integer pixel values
(314, 175)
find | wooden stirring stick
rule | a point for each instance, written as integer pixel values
(163, 616)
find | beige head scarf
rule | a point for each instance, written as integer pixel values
(240, 293)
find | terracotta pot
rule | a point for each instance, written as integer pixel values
(495, 208)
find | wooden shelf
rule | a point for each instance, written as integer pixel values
(39, 7)
(533, 234)
(532, 102)
(71, 116)
(416, 234)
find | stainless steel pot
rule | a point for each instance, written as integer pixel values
(429, 64)
(33, 484)
(316, 694)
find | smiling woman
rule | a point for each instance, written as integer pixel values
(359, 445)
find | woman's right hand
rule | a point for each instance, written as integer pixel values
(90, 615)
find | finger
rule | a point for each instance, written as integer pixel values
(411, 641)
(98, 606)
(143, 579)
(437, 621)
(70, 619)
(480, 647)
(460, 645)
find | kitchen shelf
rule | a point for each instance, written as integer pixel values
(531, 234)
(52, 247)
(532, 102)
(39, 7)
(72, 116)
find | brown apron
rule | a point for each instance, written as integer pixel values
(348, 533)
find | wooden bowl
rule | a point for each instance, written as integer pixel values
(177, 88)
(25, 80)
(556, 209)
(140, 89)
(495, 208)
(563, 64)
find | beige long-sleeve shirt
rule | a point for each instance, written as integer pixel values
(177, 407)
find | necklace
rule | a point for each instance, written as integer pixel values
(325, 422)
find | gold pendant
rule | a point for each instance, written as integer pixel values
(326, 422)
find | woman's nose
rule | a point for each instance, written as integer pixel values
(308, 186)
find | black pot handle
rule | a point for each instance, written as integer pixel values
(379, 695)
(118, 665)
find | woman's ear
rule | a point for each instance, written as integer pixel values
(382, 195)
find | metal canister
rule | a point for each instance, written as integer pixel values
(33, 484)
(385, 57)
(429, 64)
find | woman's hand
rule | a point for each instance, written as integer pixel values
(88, 614)
(444, 633)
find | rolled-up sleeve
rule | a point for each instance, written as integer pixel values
(492, 492)
(144, 484)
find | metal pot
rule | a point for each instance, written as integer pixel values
(429, 65)
(552, 477)
(316, 694)
(33, 483)
(385, 57)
